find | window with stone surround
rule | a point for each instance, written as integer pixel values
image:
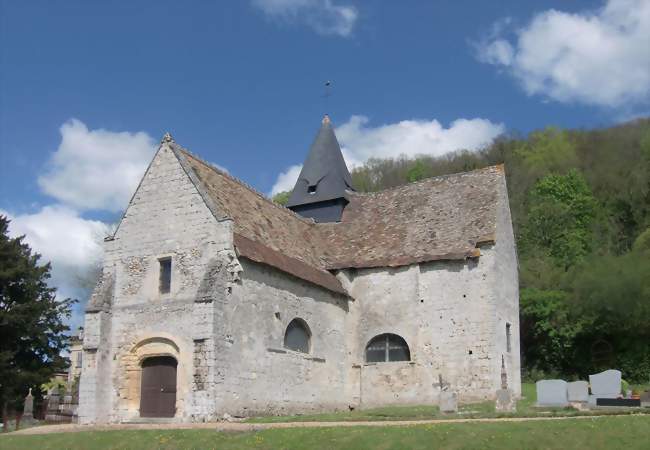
(297, 336)
(508, 344)
(165, 281)
(387, 347)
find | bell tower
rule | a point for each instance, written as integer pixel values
(320, 192)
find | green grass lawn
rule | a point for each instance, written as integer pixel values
(525, 408)
(628, 432)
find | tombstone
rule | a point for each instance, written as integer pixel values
(505, 401)
(578, 391)
(28, 408)
(645, 399)
(606, 384)
(52, 413)
(552, 393)
(448, 402)
(66, 409)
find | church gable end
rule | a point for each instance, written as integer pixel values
(167, 231)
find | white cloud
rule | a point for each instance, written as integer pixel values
(72, 244)
(323, 16)
(412, 137)
(61, 236)
(498, 51)
(286, 180)
(359, 142)
(91, 169)
(597, 57)
(96, 169)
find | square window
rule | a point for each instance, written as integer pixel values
(165, 275)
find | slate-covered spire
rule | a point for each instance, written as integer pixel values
(319, 192)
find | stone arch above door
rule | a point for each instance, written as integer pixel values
(130, 370)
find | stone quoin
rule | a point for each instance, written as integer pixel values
(214, 300)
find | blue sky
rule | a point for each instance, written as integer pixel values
(87, 88)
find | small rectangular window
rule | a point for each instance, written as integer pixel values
(508, 344)
(79, 359)
(165, 275)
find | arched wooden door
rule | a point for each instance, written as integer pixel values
(158, 389)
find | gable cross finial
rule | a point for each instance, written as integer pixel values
(167, 138)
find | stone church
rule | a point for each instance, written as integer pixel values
(214, 299)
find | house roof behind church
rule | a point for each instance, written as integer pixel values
(441, 218)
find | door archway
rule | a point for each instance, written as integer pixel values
(158, 387)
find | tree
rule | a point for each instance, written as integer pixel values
(548, 330)
(615, 292)
(281, 198)
(31, 322)
(642, 243)
(548, 151)
(417, 171)
(560, 217)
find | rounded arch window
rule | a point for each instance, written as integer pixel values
(297, 336)
(387, 347)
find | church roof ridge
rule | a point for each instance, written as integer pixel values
(438, 218)
(495, 167)
(244, 184)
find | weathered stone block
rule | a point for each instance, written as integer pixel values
(578, 391)
(505, 401)
(606, 384)
(448, 402)
(552, 393)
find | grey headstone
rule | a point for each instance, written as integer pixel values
(448, 402)
(53, 403)
(578, 391)
(505, 401)
(606, 384)
(552, 393)
(28, 410)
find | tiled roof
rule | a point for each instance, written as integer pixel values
(433, 219)
(436, 218)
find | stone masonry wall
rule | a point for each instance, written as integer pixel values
(442, 311)
(259, 375)
(506, 284)
(166, 218)
(452, 315)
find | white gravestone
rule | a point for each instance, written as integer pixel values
(505, 401)
(578, 391)
(606, 384)
(28, 410)
(448, 402)
(552, 393)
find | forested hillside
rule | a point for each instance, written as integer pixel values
(581, 210)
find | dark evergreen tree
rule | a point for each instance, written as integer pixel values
(32, 322)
